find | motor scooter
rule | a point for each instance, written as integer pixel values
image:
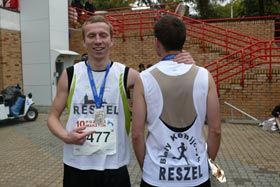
(22, 107)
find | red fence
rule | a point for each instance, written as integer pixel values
(237, 63)
(144, 20)
(216, 36)
(276, 19)
(11, 4)
(243, 51)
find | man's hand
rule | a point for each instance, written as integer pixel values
(78, 136)
(184, 57)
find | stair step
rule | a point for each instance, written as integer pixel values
(242, 121)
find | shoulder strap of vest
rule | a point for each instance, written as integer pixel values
(70, 72)
(125, 81)
(124, 96)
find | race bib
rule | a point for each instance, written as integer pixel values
(103, 139)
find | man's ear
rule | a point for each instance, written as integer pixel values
(157, 44)
(112, 42)
(84, 44)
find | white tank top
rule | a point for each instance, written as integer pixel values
(176, 154)
(81, 105)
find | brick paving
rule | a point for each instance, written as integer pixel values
(31, 156)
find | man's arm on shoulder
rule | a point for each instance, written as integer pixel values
(184, 57)
(139, 112)
(213, 120)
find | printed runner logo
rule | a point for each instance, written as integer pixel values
(187, 149)
(182, 149)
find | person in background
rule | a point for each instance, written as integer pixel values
(147, 2)
(96, 137)
(149, 65)
(276, 114)
(78, 6)
(77, 3)
(173, 101)
(89, 6)
(141, 67)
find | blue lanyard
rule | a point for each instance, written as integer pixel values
(97, 99)
(169, 57)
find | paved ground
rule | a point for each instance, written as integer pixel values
(30, 156)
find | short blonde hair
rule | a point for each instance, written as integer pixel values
(96, 19)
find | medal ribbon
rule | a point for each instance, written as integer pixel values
(169, 57)
(97, 99)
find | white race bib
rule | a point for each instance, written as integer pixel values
(103, 139)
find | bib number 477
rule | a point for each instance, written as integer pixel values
(98, 136)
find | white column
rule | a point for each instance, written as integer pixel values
(44, 26)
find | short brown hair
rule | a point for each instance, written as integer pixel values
(171, 32)
(96, 19)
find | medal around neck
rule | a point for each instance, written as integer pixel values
(99, 116)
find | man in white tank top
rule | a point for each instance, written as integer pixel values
(96, 142)
(173, 101)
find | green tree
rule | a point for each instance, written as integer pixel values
(213, 8)
(105, 4)
(260, 7)
(205, 7)
(210, 8)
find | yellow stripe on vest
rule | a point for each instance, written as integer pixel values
(125, 105)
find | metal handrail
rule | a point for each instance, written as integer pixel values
(219, 36)
(262, 52)
(243, 51)
(144, 20)
(241, 111)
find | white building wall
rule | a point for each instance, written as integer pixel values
(9, 20)
(44, 26)
(59, 32)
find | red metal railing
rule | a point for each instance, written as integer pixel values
(77, 16)
(276, 19)
(11, 4)
(237, 63)
(243, 51)
(209, 34)
(144, 20)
